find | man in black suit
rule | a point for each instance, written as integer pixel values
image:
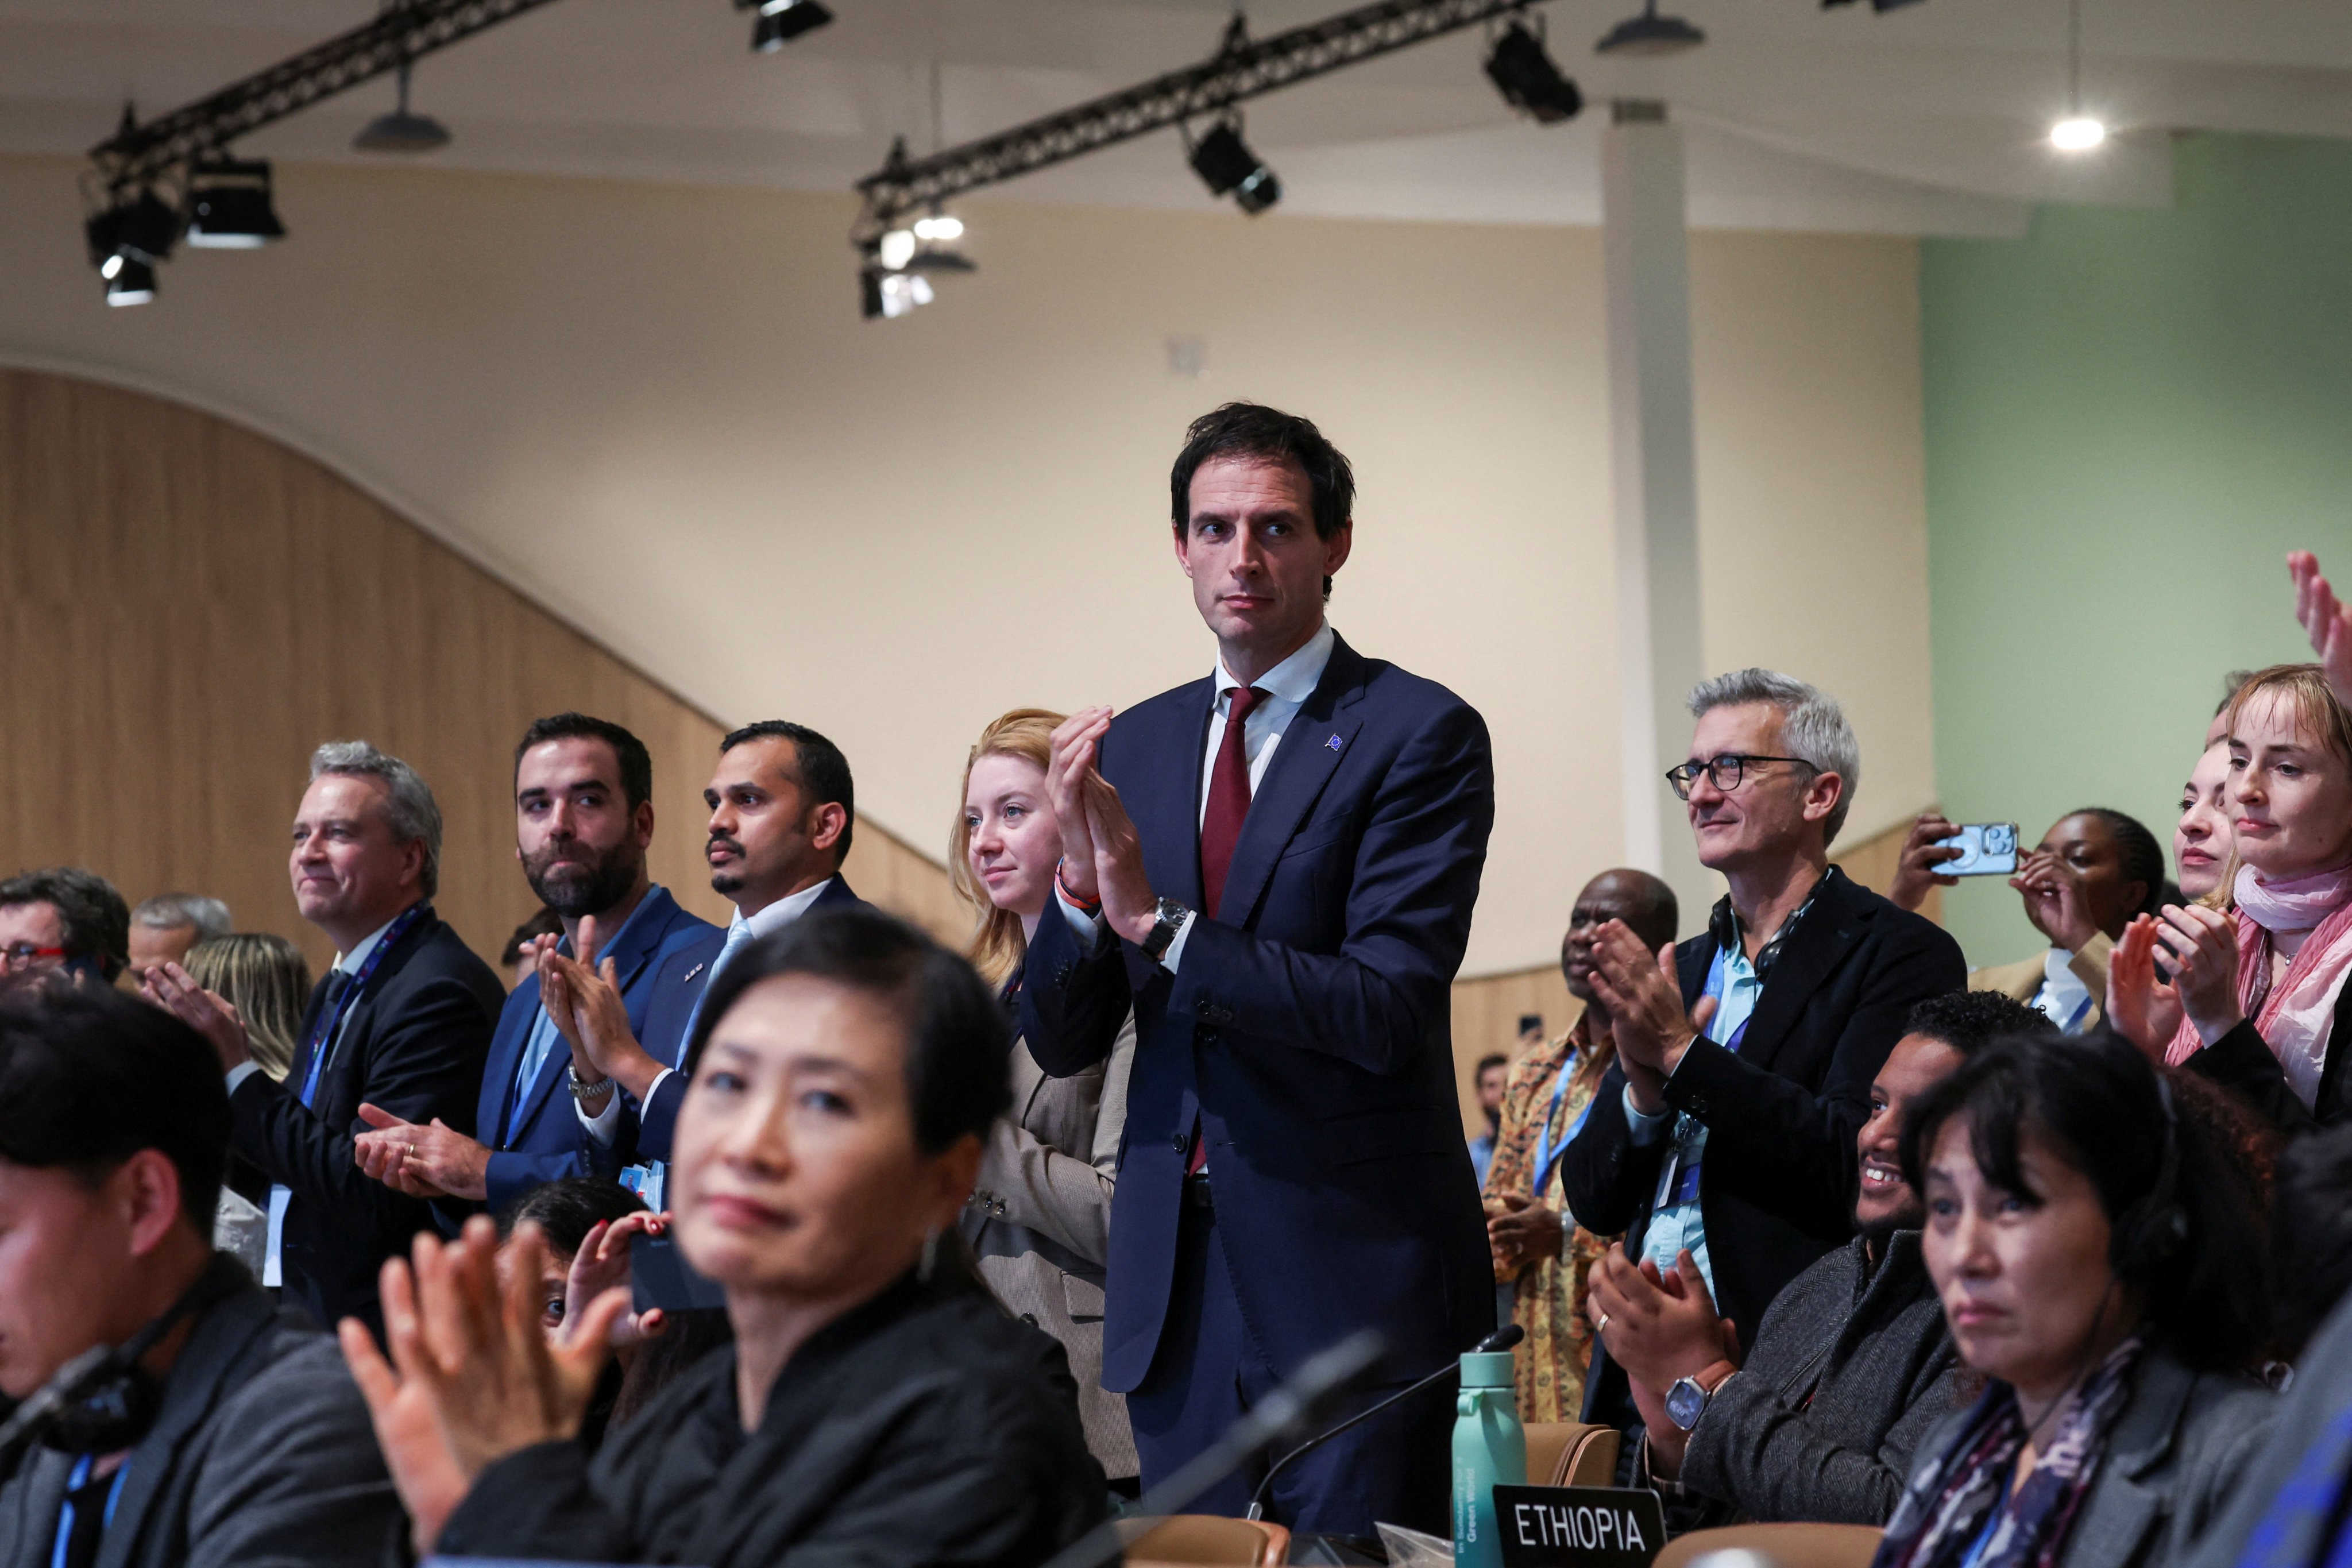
(1274, 867)
(1722, 1141)
(403, 1022)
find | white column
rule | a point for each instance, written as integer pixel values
(1655, 477)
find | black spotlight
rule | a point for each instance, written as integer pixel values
(129, 280)
(781, 21)
(1523, 70)
(1224, 162)
(143, 227)
(229, 206)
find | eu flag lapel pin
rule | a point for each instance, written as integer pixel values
(1333, 742)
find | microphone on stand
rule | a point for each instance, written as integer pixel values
(1502, 1339)
(1273, 1418)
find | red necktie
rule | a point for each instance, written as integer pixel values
(1229, 800)
(1221, 830)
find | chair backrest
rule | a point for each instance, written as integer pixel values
(1204, 1538)
(1786, 1545)
(1571, 1453)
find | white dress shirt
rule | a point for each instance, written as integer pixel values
(606, 1124)
(272, 1266)
(1287, 686)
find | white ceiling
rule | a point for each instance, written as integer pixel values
(1925, 120)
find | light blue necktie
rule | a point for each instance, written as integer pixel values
(737, 935)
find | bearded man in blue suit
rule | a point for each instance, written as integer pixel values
(1274, 868)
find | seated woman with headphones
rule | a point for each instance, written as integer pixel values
(874, 1406)
(2098, 1262)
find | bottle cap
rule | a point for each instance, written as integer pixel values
(1492, 1369)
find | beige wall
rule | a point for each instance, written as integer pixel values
(654, 411)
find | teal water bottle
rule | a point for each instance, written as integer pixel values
(1490, 1450)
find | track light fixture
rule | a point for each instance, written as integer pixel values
(401, 131)
(132, 281)
(780, 21)
(1523, 70)
(126, 238)
(229, 206)
(1225, 164)
(1650, 34)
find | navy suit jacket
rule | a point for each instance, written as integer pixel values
(676, 986)
(541, 1139)
(1309, 1028)
(413, 1044)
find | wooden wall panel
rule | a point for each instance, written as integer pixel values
(1487, 1010)
(192, 608)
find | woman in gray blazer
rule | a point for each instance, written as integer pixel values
(2096, 1257)
(1039, 1219)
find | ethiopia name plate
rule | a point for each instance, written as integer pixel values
(1579, 1527)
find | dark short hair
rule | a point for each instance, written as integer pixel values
(2311, 1231)
(1967, 1021)
(2143, 856)
(96, 922)
(1492, 1060)
(958, 1078)
(1254, 431)
(567, 1209)
(2102, 1109)
(546, 923)
(824, 772)
(1656, 914)
(89, 1077)
(636, 763)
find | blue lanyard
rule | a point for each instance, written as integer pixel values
(321, 1043)
(74, 1483)
(1548, 1153)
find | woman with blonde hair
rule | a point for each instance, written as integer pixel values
(1039, 1218)
(266, 979)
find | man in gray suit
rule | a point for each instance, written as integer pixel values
(237, 1437)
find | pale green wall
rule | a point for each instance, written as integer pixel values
(2131, 417)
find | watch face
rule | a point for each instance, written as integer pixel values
(1685, 1402)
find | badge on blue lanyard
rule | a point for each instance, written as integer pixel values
(1548, 1153)
(321, 1043)
(74, 1483)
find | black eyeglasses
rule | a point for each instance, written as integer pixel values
(1724, 772)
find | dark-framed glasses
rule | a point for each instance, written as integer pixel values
(1725, 772)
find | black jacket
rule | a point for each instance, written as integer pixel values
(2240, 1061)
(415, 1046)
(1850, 1369)
(1776, 1189)
(260, 1452)
(920, 1428)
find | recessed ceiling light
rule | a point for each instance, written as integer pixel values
(2077, 133)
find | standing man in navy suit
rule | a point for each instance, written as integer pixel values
(583, 820)
(1275, 868)
(782, 808)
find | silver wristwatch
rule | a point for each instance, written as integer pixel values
(1164, 929)
(585, 1091)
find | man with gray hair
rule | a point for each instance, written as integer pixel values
(402, 1022)
(1722, 1143)
(164, 928)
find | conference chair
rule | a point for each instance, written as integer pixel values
(1571, 1453)
(1203, 1539)
(1782, 1545)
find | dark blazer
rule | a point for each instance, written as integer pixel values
(920, 1428)
(2240, 1061)
(413, 1044)
(1852, 1367)
(2289, 1503)
(649, 1132)
(2177, 1457)
(1776, 1189)
(1309, 1029)
(261, 1452)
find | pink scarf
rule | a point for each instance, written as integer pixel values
(2294, 1016)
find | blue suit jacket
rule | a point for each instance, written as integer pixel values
(541, 1139)
(1309, 1028)
(648, 1134)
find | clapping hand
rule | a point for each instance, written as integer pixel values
(1102, 854)
(1923, 851)
(2203, 947)
(582, 998)
(176, 990)
(1646, 1016)
(2326, 619)
(425, 1160)
(1520, 1230)
(472, 1376)
(602, 1264)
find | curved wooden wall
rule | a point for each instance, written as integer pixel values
(192, 608)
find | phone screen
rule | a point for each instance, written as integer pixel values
(1987, 849)
(660, 1276)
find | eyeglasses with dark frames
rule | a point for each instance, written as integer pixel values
(1725, 772)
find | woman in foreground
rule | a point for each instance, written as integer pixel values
(2099, 1263)
(849, 1071)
